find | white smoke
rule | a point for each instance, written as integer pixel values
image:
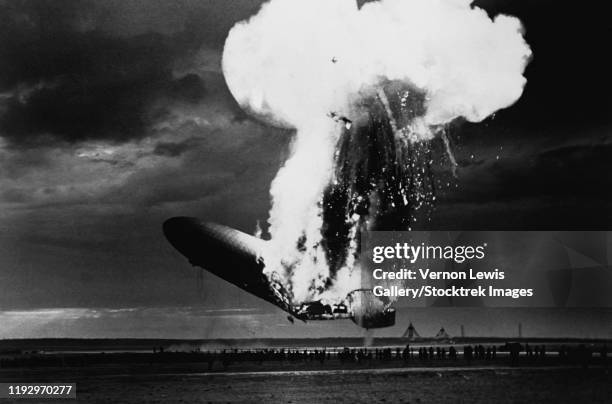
(298, 60)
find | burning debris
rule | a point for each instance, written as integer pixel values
(381, 180)
(402, 80)
(339, 118)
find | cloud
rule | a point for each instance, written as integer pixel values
(63, 79)
(107, 97)
(174, 149)
(556, 172)
(159, 322)
(559, 187)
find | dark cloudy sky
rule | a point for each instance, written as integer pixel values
(114, 116)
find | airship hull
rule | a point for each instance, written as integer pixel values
(236, 257)
(228, 253)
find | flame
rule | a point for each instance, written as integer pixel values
(391, 73)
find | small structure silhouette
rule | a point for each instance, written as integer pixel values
(442, 334)
(411, 333)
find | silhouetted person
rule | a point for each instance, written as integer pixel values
(225, 359)
(528, 350)
(515, 350)
(467, 353)
(406, 353)
(210, 359)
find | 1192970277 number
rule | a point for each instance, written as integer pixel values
(23, 390)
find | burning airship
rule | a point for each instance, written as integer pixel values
(237, 257)
(399, 84)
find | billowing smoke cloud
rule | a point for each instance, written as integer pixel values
(395, 70)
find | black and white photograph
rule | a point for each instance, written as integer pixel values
(305, 201)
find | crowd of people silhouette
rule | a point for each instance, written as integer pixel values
(512, 353)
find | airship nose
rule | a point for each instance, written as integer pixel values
(181, 232)
(174, 224)
(212, 245)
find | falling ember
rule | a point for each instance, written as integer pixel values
(366, 89)
(381, 178)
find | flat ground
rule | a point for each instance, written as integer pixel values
(349, 384)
